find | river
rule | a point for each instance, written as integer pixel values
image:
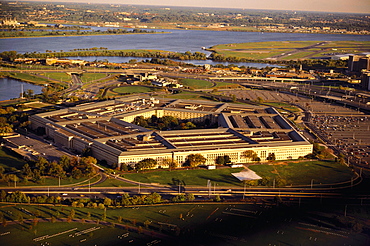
(11, 88)
(174, 40)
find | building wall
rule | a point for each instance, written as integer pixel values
(236, 155)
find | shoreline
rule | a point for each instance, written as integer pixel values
(83, 35)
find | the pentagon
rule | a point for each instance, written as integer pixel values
(106, 129)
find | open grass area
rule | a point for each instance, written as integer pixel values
(300, 55)
(302, 49)
(88, 77)
(38, 105)
(62, 76)
(27, 78)
(132, 89)
(70, 234)
(49, 181)
(197, 83)
(197, 177)
(285, 106)
(10, 160)
(225, 85)
(110, 182)
(293, 172)
(188, 224)
(301, 173)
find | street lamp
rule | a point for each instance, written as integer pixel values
(311, 183)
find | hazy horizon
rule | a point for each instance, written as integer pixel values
(357, 6)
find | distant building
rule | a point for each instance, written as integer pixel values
(365, 81)
(52, 61)
(356, 63)
(9, 22)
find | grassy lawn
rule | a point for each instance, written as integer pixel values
(301, 173)
(58, 76)
(76, 234)
(9, 159)
(28, 78)
(88, 77)
(113, 183)
(51, 182)
(285, 106)
(39, 105)
(197, 83)
(198, 224)
(197, 177)
(132, 89)
(300, 55)
(263, 50)
(225, 85)
(295, 173)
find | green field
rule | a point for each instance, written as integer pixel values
(27, 78)
(64, 77)
(301, 49)
(187, 224)
(69, 234)
(132, 89)
(9, 160)
(294, 173)
(225, 85)
(197, 177)
(301, 173)
(49, 181)
(88, 77)
(197, 83)
(285, 106)
(113, 183)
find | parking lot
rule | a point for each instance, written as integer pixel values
(32, 146)
(343, 128)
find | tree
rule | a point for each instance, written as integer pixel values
(169, 162)
(250, 155)
(14, 178)
(72, 213)
(220, 160)
(145, 164)
(223, 160)
(271, 157)
(107, 201)
(194, 160)
(26, 170)
(189, 197)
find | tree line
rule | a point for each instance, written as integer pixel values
(36, 172)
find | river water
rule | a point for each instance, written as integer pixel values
(11, 88)
(174, 40)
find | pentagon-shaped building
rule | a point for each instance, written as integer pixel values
(107, 129)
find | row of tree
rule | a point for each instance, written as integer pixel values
(164, 123)
(307, 63)
(66, 168)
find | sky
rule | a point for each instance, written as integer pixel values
(349, 6)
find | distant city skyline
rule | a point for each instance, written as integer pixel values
(357, 6)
